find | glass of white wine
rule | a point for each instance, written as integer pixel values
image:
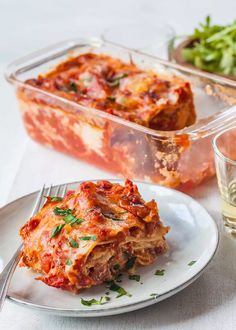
(224, 145)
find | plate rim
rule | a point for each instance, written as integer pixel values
(122, 308)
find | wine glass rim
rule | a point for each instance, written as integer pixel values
(217, 150)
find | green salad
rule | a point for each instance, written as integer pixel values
(213, 48)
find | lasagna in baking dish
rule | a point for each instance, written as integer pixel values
(92, 234)
(58, 111)
(122, 89)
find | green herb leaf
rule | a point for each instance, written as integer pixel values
(56, 199)
(77, 221)
(213, 48)
(111, 98)
(72, 87)
(130, 263)
(70, 218)
(93, 301)
(60, 211)
(73, 243)
(56, 230)
(119, 77)
(116, 80)
(160, 272)
(134, 277)
(116, 267)
(111, 216)
(68, 262)
(121, 291)
(88, 238)
(192, 262)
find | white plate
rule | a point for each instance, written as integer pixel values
(193, 237)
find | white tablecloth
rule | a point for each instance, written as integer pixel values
(24, 165)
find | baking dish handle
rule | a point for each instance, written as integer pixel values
(226, 119)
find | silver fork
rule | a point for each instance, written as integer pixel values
(8, 271)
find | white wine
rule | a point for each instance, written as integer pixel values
(229, 214)
(228, 205)
(225, 158)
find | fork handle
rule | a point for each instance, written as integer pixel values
(6, 275)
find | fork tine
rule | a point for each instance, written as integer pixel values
(64, 189)
(61, 190)
(57, 191)
(49, 191)
(38, 201)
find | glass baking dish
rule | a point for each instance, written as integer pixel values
(182, 158)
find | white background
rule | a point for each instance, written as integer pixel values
(27, 25)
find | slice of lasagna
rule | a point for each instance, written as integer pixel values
(92, 234)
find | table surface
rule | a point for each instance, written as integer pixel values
(210, 302)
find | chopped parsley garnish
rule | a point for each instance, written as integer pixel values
(56, 230)
(73, 243)
(192, 262)
(111, 98)
(71, 219)
(77, 221)
(130, 263)
(60, 211)
(88, 238)
(72, 87)
(134, 277)
(68, 262)
(119, 77)
(121, 291)
(93, 301)
(56, 199)
(68, 218)
(116, 80)
(116, 267)
(160, 272)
